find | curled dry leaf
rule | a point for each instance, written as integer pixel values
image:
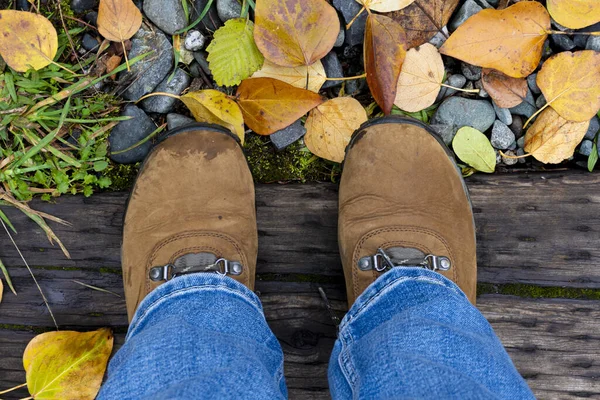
(423, 19)
(474, 148)
(385, 49)
(215, 107)
(67, 364)
(27, 40)
(385, 5)
(310, 77)
(269, 105)
(569, 82)
(330, 126)
(574, 14)
(552, 139)
(509, 40)
(118, 20)
(420, 79)
(295, 32)
(506, 91)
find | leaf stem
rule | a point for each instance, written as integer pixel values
(125, 54)
(14, 388)
(349, 78)
(459, 89)
(573, 33)
(536, 114)
(513, 157)
(158, 94)
(355, 17)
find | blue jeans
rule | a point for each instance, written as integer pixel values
(411, 334)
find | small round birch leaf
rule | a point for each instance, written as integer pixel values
(574, 14)
(118, 20)
(215, 107)
(505, 90)
(509, 40)
(232, 54)
(269, 105)
(420, 79)
(295, 76)
(67, 364)
(569, 82)
(552, 139)
(295, 32)
(474, 148)
(330, 126)
(384, 53)
(385, 5)
(27, 40)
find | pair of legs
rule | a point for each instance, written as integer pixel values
(407, 244)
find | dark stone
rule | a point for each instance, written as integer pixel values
(471, 72)
(586, 147)
(593, 43)
(527, 108)
(532, 83)
(502, 136)
(146, 74)
(80, 6)
(200, 57)
(459, 112)
(164, 104)
(333, 69)
(168, 15)
(91, 18)
(593, 129)
(446, 132)
(89, 42)
(562, 42)
(211, 21)
(580, 41)
(177, 120)
(22, 5)
(228, 9)
(540, 101)
(286, 136)
(350, 8)
(503, 114)
(128, 133)
(467, 10)
(457, 81)
(517, 126)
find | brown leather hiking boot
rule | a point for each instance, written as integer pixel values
(402, 192)
(191, 210)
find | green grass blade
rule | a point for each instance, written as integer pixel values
(7, 278)
(197, 21)
(5, 219)
(144, 140)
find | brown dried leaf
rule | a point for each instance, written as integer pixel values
(569, 82)
(295, 32)
(552, 139)
(509, 40)
(295, 76)
(330, 126)
(423, 19)
(385, 49)
(118, 20)
(269, 105)
(506, 91)
(112, 63)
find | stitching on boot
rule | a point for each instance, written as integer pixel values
(375, 232)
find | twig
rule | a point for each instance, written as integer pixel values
(14, 388)
(96, 288)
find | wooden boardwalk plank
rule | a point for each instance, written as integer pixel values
(532, 228)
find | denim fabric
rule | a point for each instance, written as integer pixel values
(412, 334)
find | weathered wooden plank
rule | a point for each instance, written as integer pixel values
(554, 343)
(532, 228)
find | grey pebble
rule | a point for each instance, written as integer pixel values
(446, 132)
(200, 57)
(585, 149)
(482, 92)
(339, 42)
(521, 152)
(286, 136)
(80, 6)
(593, 128)
(593, 43)
(471, 72)
(562, 42)
(532, 83)
(228, 9)
(527, 107)
(459, 111)
(467, 10)
(502, 136)
(194, 40)
(89, 42)
(91, 18)
(521, 142)
(540, 101)
(503, 114)
(457, 81)
(517, 126)
(509, 161)
(440, 38)
(176, 120)
(349, 9)
(333, 69)
(580, 41)
(164, 104)
(168, 15)
(127, 133)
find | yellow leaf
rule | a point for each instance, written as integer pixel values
(420, 79)
(215, 107)
(269, 105)
(295, 32)
(295, 76)
(509, 40)
(330, 126)
(118, 20)
(1, 290)
(552, 139)
(67, 364)
(27, 40)
(385, 5)
(569, 82)
(574, 14)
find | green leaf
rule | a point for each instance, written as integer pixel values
(474, 148)
(100, 166)
(593, 158)
(233, 55)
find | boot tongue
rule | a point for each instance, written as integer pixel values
(405, 255)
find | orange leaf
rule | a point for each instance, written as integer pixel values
(118, 20)
(291, 33)
(506, 91)
(385, 49)
(574, 14)
(509, 40)
(269, 105)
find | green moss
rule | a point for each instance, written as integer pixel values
(96, 314)
(538, 292)
(122, 176)
(295, 163)
(115, 271)
(25, 328)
